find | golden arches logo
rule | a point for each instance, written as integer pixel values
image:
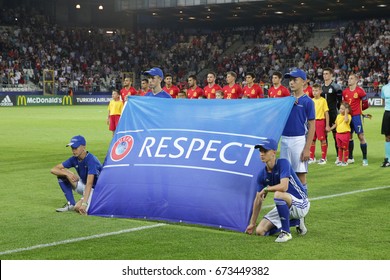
(22, 100)
(67, 100)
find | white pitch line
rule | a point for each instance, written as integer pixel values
(347, 193)
(339, 194)
(73, 240)
(159, 225)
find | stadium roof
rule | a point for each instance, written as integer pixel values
(272, 11)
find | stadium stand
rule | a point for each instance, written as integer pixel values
(88, 59)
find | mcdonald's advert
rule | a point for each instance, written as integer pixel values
(10, 100)
(39, 100)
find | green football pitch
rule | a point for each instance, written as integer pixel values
(348, 218)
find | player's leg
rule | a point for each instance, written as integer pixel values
(363, 147)
(339, 150)
(351, 144)
(283, 202)
(265, 228)
(345, 137)
(313, 147)
(321, 126)
(324, 151)
(293, 148)
(67, 188)
(386, 162)
(298, 212)
(358, 128)
(385, 130)
(313, 151)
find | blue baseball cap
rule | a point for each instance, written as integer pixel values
(76, 141)
(267, 144)
(155, 71)
(296, 73)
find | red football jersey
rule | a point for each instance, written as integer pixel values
(142, 93)
(209, 92)
(233, 92)
(354, 99)
(309, 91)
(173, 90)
(125, 92)
(255, 91)
(195, 93)
(281, 91)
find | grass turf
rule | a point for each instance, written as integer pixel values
(350, 226)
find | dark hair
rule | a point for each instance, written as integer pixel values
(193, 77)
(251, 74)
(330, 70)
(212, 73)
(168, 75)
(278, 74)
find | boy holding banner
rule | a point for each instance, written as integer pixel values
(289, 196)
(88, 169)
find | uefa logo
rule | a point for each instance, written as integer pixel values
(121, 148)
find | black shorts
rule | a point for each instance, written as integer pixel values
(386, 123)
(332, 117)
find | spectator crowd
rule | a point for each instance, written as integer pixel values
(91, 59)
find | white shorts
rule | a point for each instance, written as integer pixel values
(80, 187)
(299, 209)
(291, 148)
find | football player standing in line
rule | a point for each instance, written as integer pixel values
(332, 92)
(211, 88)
(231, 90)
(252, 90)
(144, 87)
(127, 89)
(194, 91)
(170, 87)
(354, 96)
(277, 89)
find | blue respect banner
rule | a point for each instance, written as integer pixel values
(187, 161)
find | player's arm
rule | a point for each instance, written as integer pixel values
(281, 187)
(327, 127)
(87, 192)
(310, 134)
(333, 126)
(61, 171)
(346, 118)
(257, 203)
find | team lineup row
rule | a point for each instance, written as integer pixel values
(331, 109)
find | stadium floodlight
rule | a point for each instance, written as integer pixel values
(78, 6)
(101, 7)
